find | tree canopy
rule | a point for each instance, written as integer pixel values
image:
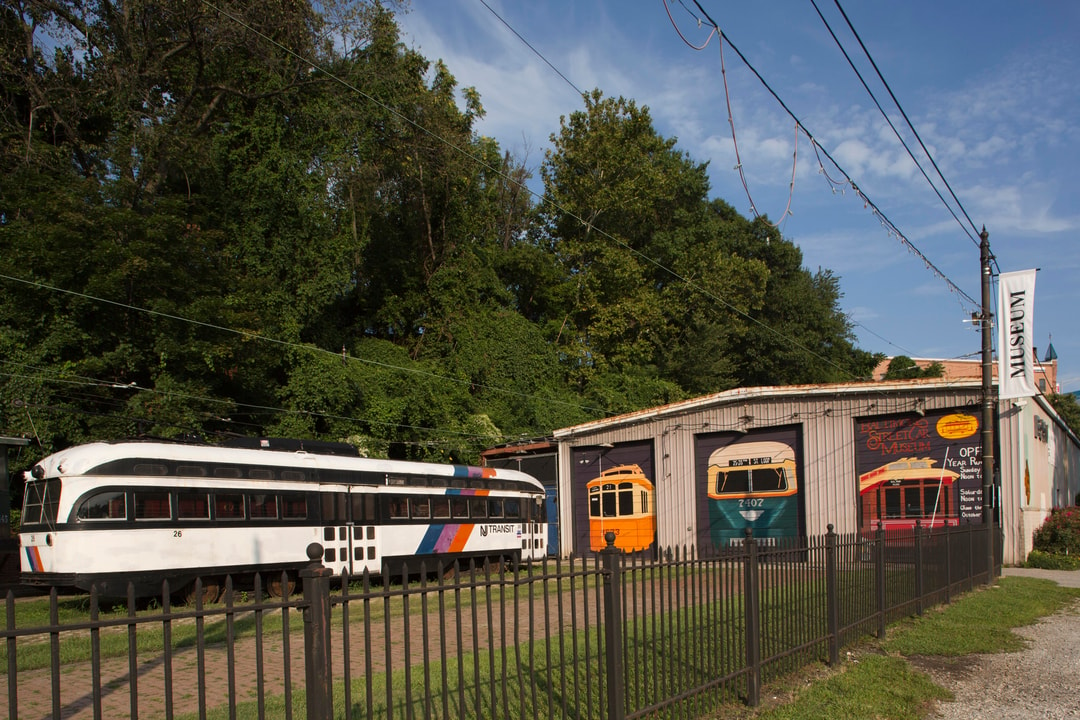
(275, 219)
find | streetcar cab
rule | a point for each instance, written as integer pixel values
(37, 534)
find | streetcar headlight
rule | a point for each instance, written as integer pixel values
(37, 472)
(48, 539)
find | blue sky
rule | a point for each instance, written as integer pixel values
(991, 87)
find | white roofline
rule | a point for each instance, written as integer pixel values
(764, 392)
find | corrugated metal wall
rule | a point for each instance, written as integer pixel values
(826, 418)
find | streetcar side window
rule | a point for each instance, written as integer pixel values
(153, 505)
(262, 505)
(229, 506)
(156, 469)
(512, 508)
(293, 506)
(440, 507)
(193, 505)
(399, 508)
(108, 505)
(495, 509)
(191, 471)
(363, 508)
(478, 507)
(459, 507)
(420, 508)
(334, 508)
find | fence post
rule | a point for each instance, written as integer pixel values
(832, 598)
(918, 568)
(316, 580)
(613, 644)
(948, 563)
(752, 620)
(879, 567)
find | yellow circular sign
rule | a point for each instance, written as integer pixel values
(957, 426)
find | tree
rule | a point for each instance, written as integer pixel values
(1067, 408)
(902, 367)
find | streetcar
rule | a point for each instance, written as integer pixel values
(906, 491)
(752, 485)
(107, 514)
(621, 501)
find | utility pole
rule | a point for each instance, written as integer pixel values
(988, 404)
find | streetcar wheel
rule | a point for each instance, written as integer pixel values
(278, 585)
(209, 588)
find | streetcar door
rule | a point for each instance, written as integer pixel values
(362, 546)
(551, 510)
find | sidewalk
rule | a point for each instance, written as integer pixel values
(1065, 578)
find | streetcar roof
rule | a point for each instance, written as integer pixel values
(81, 459)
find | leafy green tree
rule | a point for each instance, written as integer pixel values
(1067, 408)
(902, 367)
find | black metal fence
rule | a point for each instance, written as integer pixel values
(611, 637)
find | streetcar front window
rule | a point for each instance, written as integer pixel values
(892, 503)
(607, 500)
(733, 481)
(626, 499)
(40, 501)
(768, 479)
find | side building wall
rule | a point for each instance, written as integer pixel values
(1040, 467)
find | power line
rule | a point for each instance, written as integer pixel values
(535, 51)
(867, 201)
(906, 119)
(285, 343)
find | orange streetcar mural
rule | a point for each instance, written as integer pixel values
(621, 500)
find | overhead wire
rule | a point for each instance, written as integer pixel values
(529, 45)
(867, 201)
(900, 107)
(250, 408)
(892, 126)
(285, 343)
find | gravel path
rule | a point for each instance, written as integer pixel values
(1042, 681)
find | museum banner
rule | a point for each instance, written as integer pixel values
(1016, 315)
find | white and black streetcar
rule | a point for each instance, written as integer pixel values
(111, 513)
